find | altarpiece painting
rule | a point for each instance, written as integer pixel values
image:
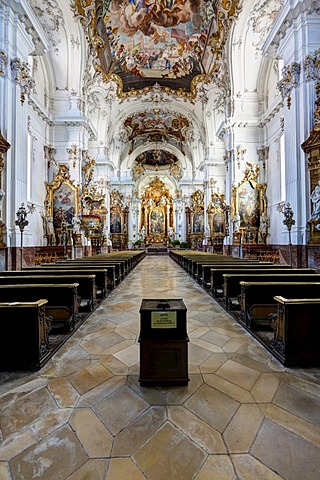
(249, 204)
(62, 204)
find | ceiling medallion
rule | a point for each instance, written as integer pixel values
(175, 43)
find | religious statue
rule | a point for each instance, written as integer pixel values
(315, 198)
(236, 223)
(63, 232)
(171, 233)
(207, 232)
(49, 229)
(143, 232)
(263, 228)
(76, 224)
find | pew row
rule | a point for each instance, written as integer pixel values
(24, 340)
(217, 272)
(231, 281)
(87, 296)
(118, 267)
(257, 301)
(101, 279)
(204, 270)
(62, 301)
(297, 331)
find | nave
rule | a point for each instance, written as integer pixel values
(85, 415)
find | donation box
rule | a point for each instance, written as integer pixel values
(163, 343)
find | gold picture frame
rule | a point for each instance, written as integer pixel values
(62, 198)
(249, 202)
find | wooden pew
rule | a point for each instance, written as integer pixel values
(206, 270)
(62, 300)
(257, 299)
(86, 285)
(104, 277)
(217, 272)
(24, 340)
(297, 331)
(118, 267)
(231, 281)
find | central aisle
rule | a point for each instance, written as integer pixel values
(85, 416)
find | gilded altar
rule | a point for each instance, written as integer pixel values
(156, 215)
(62, 206)
(119, 213)
(195, 219)
(312, 148)
(249, 209)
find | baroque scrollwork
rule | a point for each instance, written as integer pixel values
(3, 63)
(312, 67)
(290, 80)
(263, 154)
(22, 77)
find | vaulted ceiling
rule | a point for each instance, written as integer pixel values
(176, 43)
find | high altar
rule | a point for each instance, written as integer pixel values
(156, 214)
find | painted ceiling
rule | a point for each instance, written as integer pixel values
(156, 125)
(172, 42)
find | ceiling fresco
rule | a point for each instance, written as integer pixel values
(157, 125)
(172, 42)
(156, 160)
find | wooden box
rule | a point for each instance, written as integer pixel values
(163, 362)
(164, 318)
(163, 343)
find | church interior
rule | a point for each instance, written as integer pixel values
(164, 151)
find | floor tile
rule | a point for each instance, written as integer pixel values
(169, 454)
(119, 409)
(285, 453)
(212, 406)
(85, 416)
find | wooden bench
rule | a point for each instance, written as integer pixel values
(217, 274)
(231, 281)
(206, 275)
(104, 278)
(118, 267)
(24, 340)
(62, 300)
(195, 265)
(297, 331)
(86, 285)
(202, 273)
(257, 301)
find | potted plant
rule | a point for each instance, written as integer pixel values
(137, 243)
(175, 243)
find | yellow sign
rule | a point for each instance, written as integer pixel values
(163, 319)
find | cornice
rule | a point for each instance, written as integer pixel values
(290, 12)
(76, 122)
(272, 112)
(32, 24)
(39, 109)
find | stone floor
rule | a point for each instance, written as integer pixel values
(85, 416)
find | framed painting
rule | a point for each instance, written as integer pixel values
(198, 222)
(115, 222)
(249, 205)
(157, 221)
(249, 202)
(62, 199)
(63, 205)
(218, 222)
